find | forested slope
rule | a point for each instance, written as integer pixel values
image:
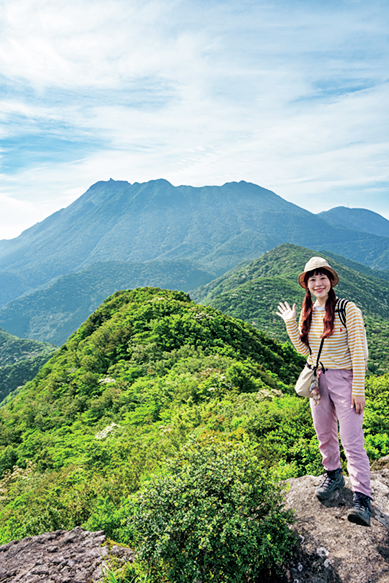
(126, 390)
(20, 360)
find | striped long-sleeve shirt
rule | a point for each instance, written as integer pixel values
(342, 350)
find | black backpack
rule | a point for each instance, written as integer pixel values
(340, 308)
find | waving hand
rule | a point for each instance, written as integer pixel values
(285, 311)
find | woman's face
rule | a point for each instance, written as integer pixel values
(319, 285)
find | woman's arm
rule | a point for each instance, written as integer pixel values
(288, 314)
(355, 339)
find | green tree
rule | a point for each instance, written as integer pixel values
(213, 514)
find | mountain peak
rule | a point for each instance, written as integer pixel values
(216, 226)
(359, 219)
(111, 182)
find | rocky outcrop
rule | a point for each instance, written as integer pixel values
(330, 549)
(74, 556)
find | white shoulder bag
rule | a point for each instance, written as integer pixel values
(308, 380)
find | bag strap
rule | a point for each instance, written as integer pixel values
(318, 356)
(317, 359)
(340, 308)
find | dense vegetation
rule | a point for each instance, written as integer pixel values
(20, 360)
(253, 291)
(149, 375)
(145, 370)
(213, 513)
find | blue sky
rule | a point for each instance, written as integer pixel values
(289, 95)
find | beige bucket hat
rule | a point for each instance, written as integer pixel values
(318, 263)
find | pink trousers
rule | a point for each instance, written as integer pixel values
(335, 403)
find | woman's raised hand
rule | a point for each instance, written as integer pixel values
(285, 311)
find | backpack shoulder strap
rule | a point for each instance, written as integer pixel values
(340, 308)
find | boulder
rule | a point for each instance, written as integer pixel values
(74, 556)
(330, 549)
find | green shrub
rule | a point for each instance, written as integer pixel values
(111, 518)
(211, 514)
(8, 458)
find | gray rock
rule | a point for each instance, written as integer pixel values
(74, 556)
(330, 549)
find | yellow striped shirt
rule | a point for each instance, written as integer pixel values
(344, 349)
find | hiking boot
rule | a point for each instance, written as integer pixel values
(360, 511)
(333, 480)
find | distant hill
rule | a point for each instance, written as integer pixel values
(379, 273)
(357, 219)
(252, 292)
(20, 361)
(54, 313)
(215, 226)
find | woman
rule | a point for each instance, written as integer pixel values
(340, 395)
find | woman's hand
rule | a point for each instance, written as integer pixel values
(285, 312)
(358, 403)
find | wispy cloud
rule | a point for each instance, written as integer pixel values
(290, 95)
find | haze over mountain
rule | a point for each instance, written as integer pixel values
(54, 313)
(216, 226)
(358, 219)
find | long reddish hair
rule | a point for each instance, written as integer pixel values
(307, 308)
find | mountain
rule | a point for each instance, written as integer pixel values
(216, 226)
(20, 361)
(357, 219)
(54, 313)
(253, 290)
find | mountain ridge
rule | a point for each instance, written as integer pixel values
(144, 360)
(216, 226)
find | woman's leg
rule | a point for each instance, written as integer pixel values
(351, 433)
(326, 426)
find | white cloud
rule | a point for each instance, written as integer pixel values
(292, 96)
